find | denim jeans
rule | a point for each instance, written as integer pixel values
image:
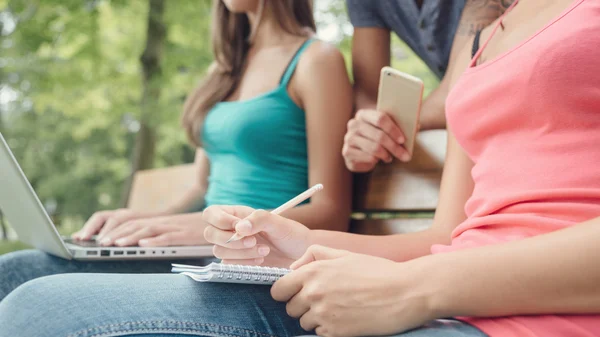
(102, 305)
(19, 267)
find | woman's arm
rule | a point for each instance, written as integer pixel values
(194, 197)
(321, 86)
(554, 273)
(370, 53)
(456, 187)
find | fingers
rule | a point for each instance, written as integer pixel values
(317, 253)
(93, 225)
(309, 321)
(225, 217)
(177, 238)
(277, 227)
(116, 219)
(133, 236)
(297, 306)
(289, 285)
(219, 237)
(382, 121)
(372, 136)
(110, 224)
(358, 160)
(259, 251)
(384, 140)
(368, 146)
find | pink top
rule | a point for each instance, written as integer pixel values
(530, 121)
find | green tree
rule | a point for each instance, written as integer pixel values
(83, 96)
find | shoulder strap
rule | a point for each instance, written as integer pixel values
(475, 47)
(289, 70)
(499, 24)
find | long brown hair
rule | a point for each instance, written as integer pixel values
(230, 32)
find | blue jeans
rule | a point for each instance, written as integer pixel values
(19, 267)
(102, 305)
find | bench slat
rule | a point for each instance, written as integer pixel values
(155, 189)
(389, 226)
(405, 186)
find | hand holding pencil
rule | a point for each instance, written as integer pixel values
(263, 237)
(290, 204)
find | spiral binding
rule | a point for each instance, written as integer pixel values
(249, 273)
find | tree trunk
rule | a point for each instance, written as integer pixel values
(3, 226)
(145, 140)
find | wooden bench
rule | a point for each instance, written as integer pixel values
(394, 198)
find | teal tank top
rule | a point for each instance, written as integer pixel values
(257, 148)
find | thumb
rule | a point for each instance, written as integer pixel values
(318, 253)
(277, 227)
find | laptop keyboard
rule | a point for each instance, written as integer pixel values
(89, 243)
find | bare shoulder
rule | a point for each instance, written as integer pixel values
(321, 59)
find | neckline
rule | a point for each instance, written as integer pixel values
(282, 81)
(255, 98)
(472, 67)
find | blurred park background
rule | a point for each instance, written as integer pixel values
(91, 91)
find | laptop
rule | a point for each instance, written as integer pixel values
(29, 219)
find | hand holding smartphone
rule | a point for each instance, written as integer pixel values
(400, 95)
(388, 132)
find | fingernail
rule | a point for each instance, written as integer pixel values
(263, 251)
(249, 242)
(105, 241)
(143, 242)
(405, 156)
(120, 242)
(243, 226)
(400, 140)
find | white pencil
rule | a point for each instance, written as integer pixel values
(290, 204)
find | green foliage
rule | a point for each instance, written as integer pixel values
(9, 246)
(75, 68)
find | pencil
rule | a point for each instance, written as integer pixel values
(290, 204)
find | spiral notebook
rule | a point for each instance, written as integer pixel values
(231, 273)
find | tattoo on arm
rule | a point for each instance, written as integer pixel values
(478, 14)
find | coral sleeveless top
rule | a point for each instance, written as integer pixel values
(530, 121)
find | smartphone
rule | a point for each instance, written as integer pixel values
(400, 95)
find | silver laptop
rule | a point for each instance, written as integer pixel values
(29, 219)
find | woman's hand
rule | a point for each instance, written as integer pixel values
(338, 293)
(174, 230)
(104, 221)
(268, 239)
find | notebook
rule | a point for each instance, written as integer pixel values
(231, 273)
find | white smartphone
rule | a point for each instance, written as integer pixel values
(400, 95)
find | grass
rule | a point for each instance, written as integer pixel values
(11, 246)
(67, 227)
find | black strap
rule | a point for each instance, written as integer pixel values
(475, 47)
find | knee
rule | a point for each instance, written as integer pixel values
(32, 303)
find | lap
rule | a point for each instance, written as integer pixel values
(19, 267)
(85, 305)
